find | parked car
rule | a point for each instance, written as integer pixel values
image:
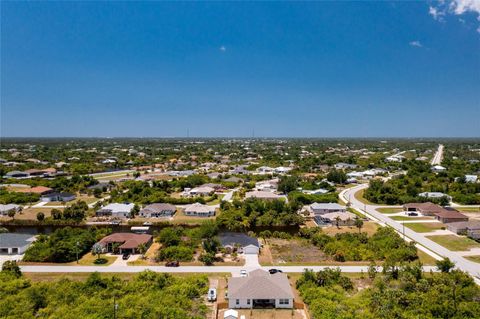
(274, 271)
(412, 214)
(212, 294)
(172, 264)
(243, 273)
(125, 256)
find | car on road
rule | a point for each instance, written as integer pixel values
(125, 256)
(243, 273)
(274, 271)
(212, 294)
(172, 264)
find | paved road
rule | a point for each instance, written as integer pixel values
(437, 158)
(461, 263)
(235, 270)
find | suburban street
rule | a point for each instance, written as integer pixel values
(437, 158)
(234, 270)
(370, 211)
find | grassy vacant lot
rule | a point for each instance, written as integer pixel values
(292, 251)
(368, 227)
(359, 197)
(454, 243)
(410, 218)
(31, 213)
(389, 210)
(473, 258)
(424, 227)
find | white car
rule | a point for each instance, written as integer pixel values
(212, 294)
(243, 273)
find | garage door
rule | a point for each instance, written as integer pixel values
(251, 249)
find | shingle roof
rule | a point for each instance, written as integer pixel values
(159, 207)
(129, 240)
(230, 239)
(260, 285)
(197, 207)
(15, 240)
(450, 214)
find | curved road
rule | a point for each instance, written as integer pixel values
(369, 210)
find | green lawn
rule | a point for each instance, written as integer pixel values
(88, 260)
(409, 218)
(425, 258)
(359, 197)
(454, 243)
(469, 209)
(389, 210)
(424, 227)
(473, 258)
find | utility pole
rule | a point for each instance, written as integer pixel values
(115, 307)
(76, 250)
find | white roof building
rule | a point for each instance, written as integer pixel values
(199, 210)
(116, 210)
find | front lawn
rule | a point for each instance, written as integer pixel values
(424, 227)
(89, 260)
(401, 218)
(454, 243)
(389, 210)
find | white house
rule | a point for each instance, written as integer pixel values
(438, 168)
(199, 210)
(4, 209)
(325, 208)
(13, 244)
(471, 178)
(262, 195)
(199, 191)
(260, 290)
(116, 210)
(230, 314)
(434, 195)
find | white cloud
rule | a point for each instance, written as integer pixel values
(222, 48)
(436, 13)
(416, 43)
(455, 7)
(462, 6)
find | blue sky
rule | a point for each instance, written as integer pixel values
(324, 69)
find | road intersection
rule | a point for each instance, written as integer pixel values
(423, 243)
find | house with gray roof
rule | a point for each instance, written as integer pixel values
(240, 242)
(158, 210)
(260, 289)
(13, 243)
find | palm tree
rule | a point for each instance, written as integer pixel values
(337, 221)
(142, 249)
(358, 223)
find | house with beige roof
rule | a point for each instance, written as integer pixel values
(260, 289)
(199, 210)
